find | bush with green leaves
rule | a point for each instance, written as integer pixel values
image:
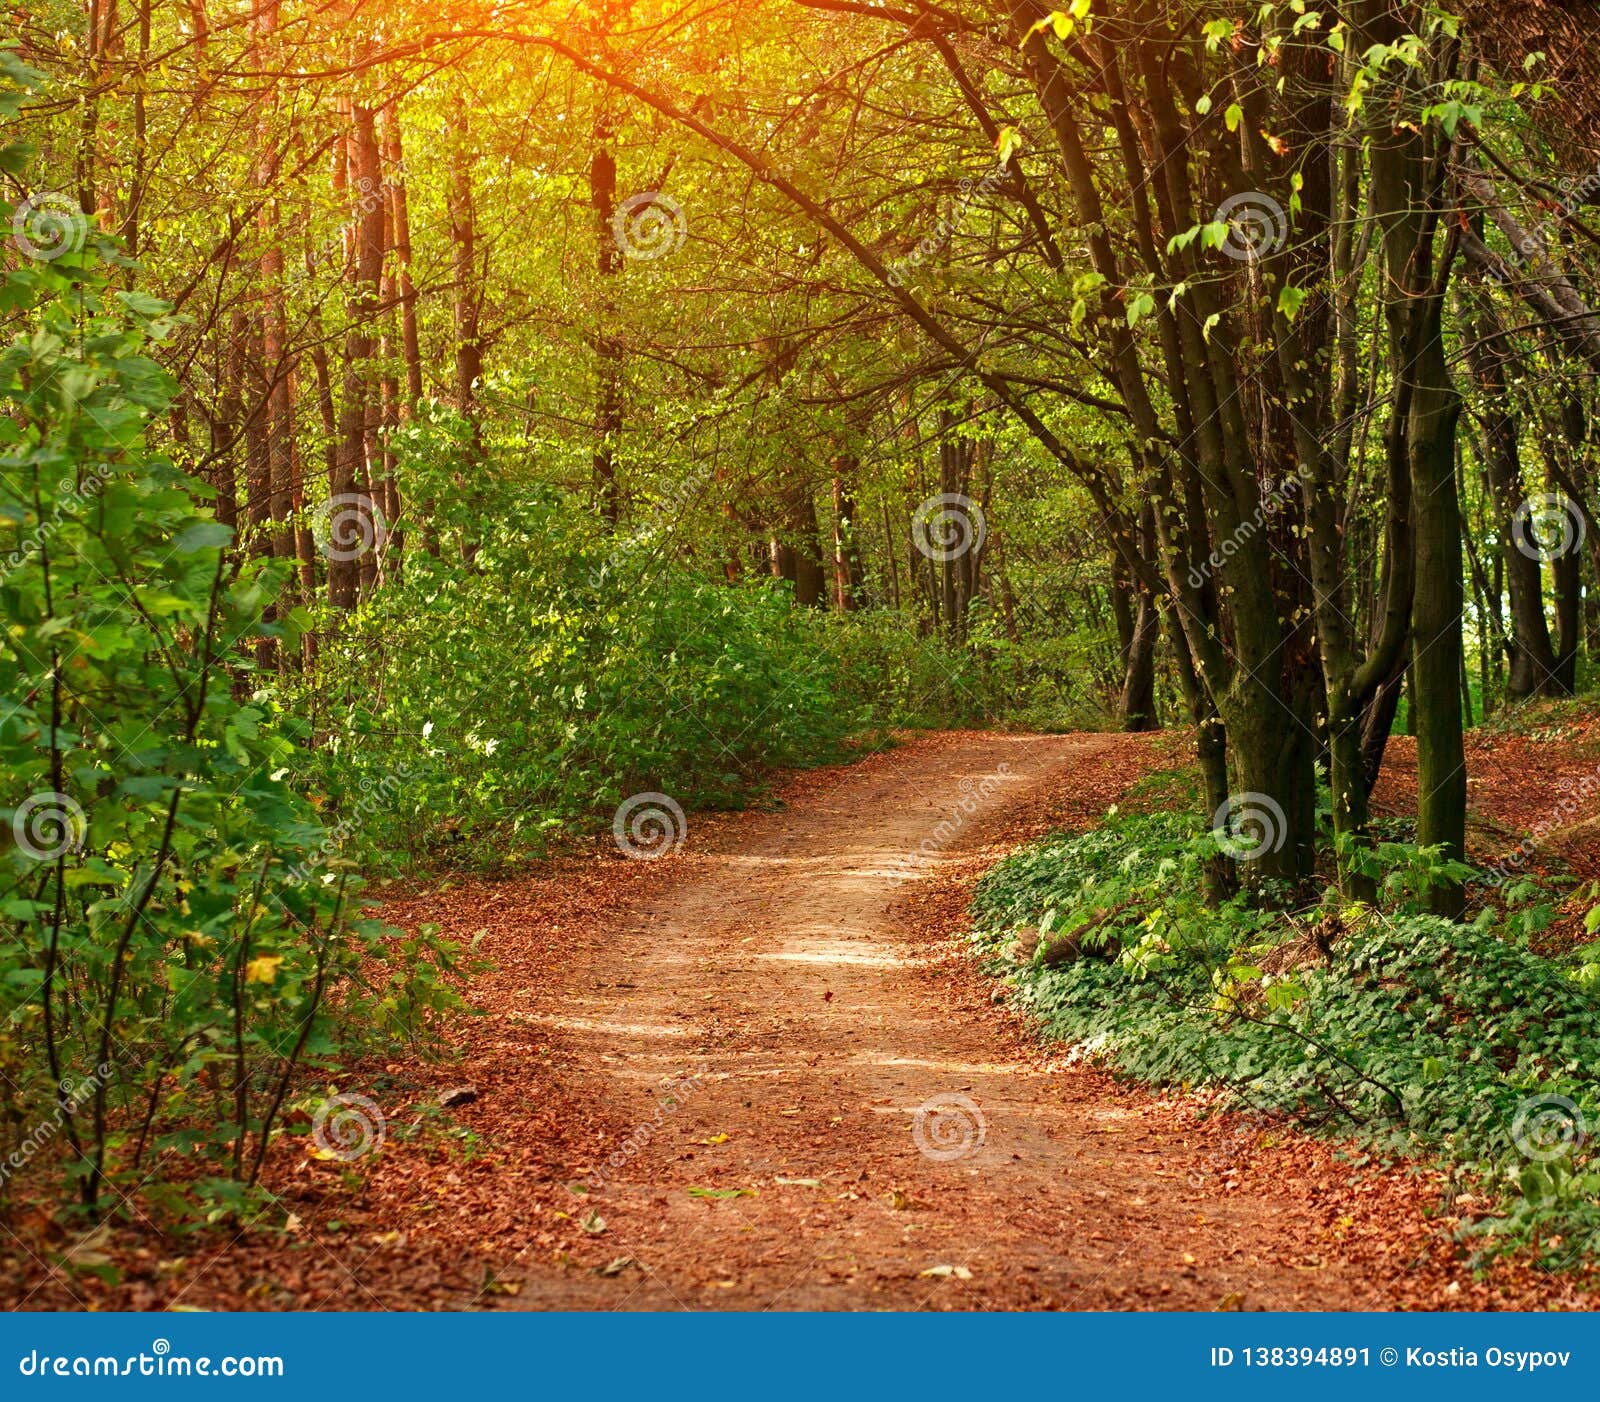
(1037, 682)
(510, 693)
(164, 973)
(1418, 1034)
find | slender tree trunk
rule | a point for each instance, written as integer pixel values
(349, 521)
(1436, 609)
(608, 344)
(797, 554)
(468, 296)
(1533, 659)
(410, 345)
(848, 577)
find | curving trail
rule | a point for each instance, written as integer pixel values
(851, 1121)
(781, 970)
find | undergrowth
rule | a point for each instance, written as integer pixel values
(1419, 1036)
(517, 683)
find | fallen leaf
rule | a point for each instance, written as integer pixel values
(720, 1193)
(945, 1272)
(503, 1287)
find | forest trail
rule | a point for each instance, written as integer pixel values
(777, 1000)
(890, 1149)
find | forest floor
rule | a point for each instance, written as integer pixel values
(779, 1004)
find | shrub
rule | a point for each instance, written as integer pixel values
(163, 973)
(499, 702)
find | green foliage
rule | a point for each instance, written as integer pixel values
(991, 680)
(162, 972)
(524, 673)
(1419, 1034)
(523, 693)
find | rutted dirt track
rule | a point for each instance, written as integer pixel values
(778, 972)
(836, 1113)
(795, 965)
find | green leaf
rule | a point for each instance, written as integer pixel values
(202, 535)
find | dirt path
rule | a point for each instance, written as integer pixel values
(760, 1074)
(889, 1150)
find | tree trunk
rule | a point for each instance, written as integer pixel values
(1533, 659)
(608, 344)
(467, 300)
(797, 554)
(848, 577)
(1437, 607)
(351, 526)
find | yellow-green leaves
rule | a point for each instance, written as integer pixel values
(1062, 22)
